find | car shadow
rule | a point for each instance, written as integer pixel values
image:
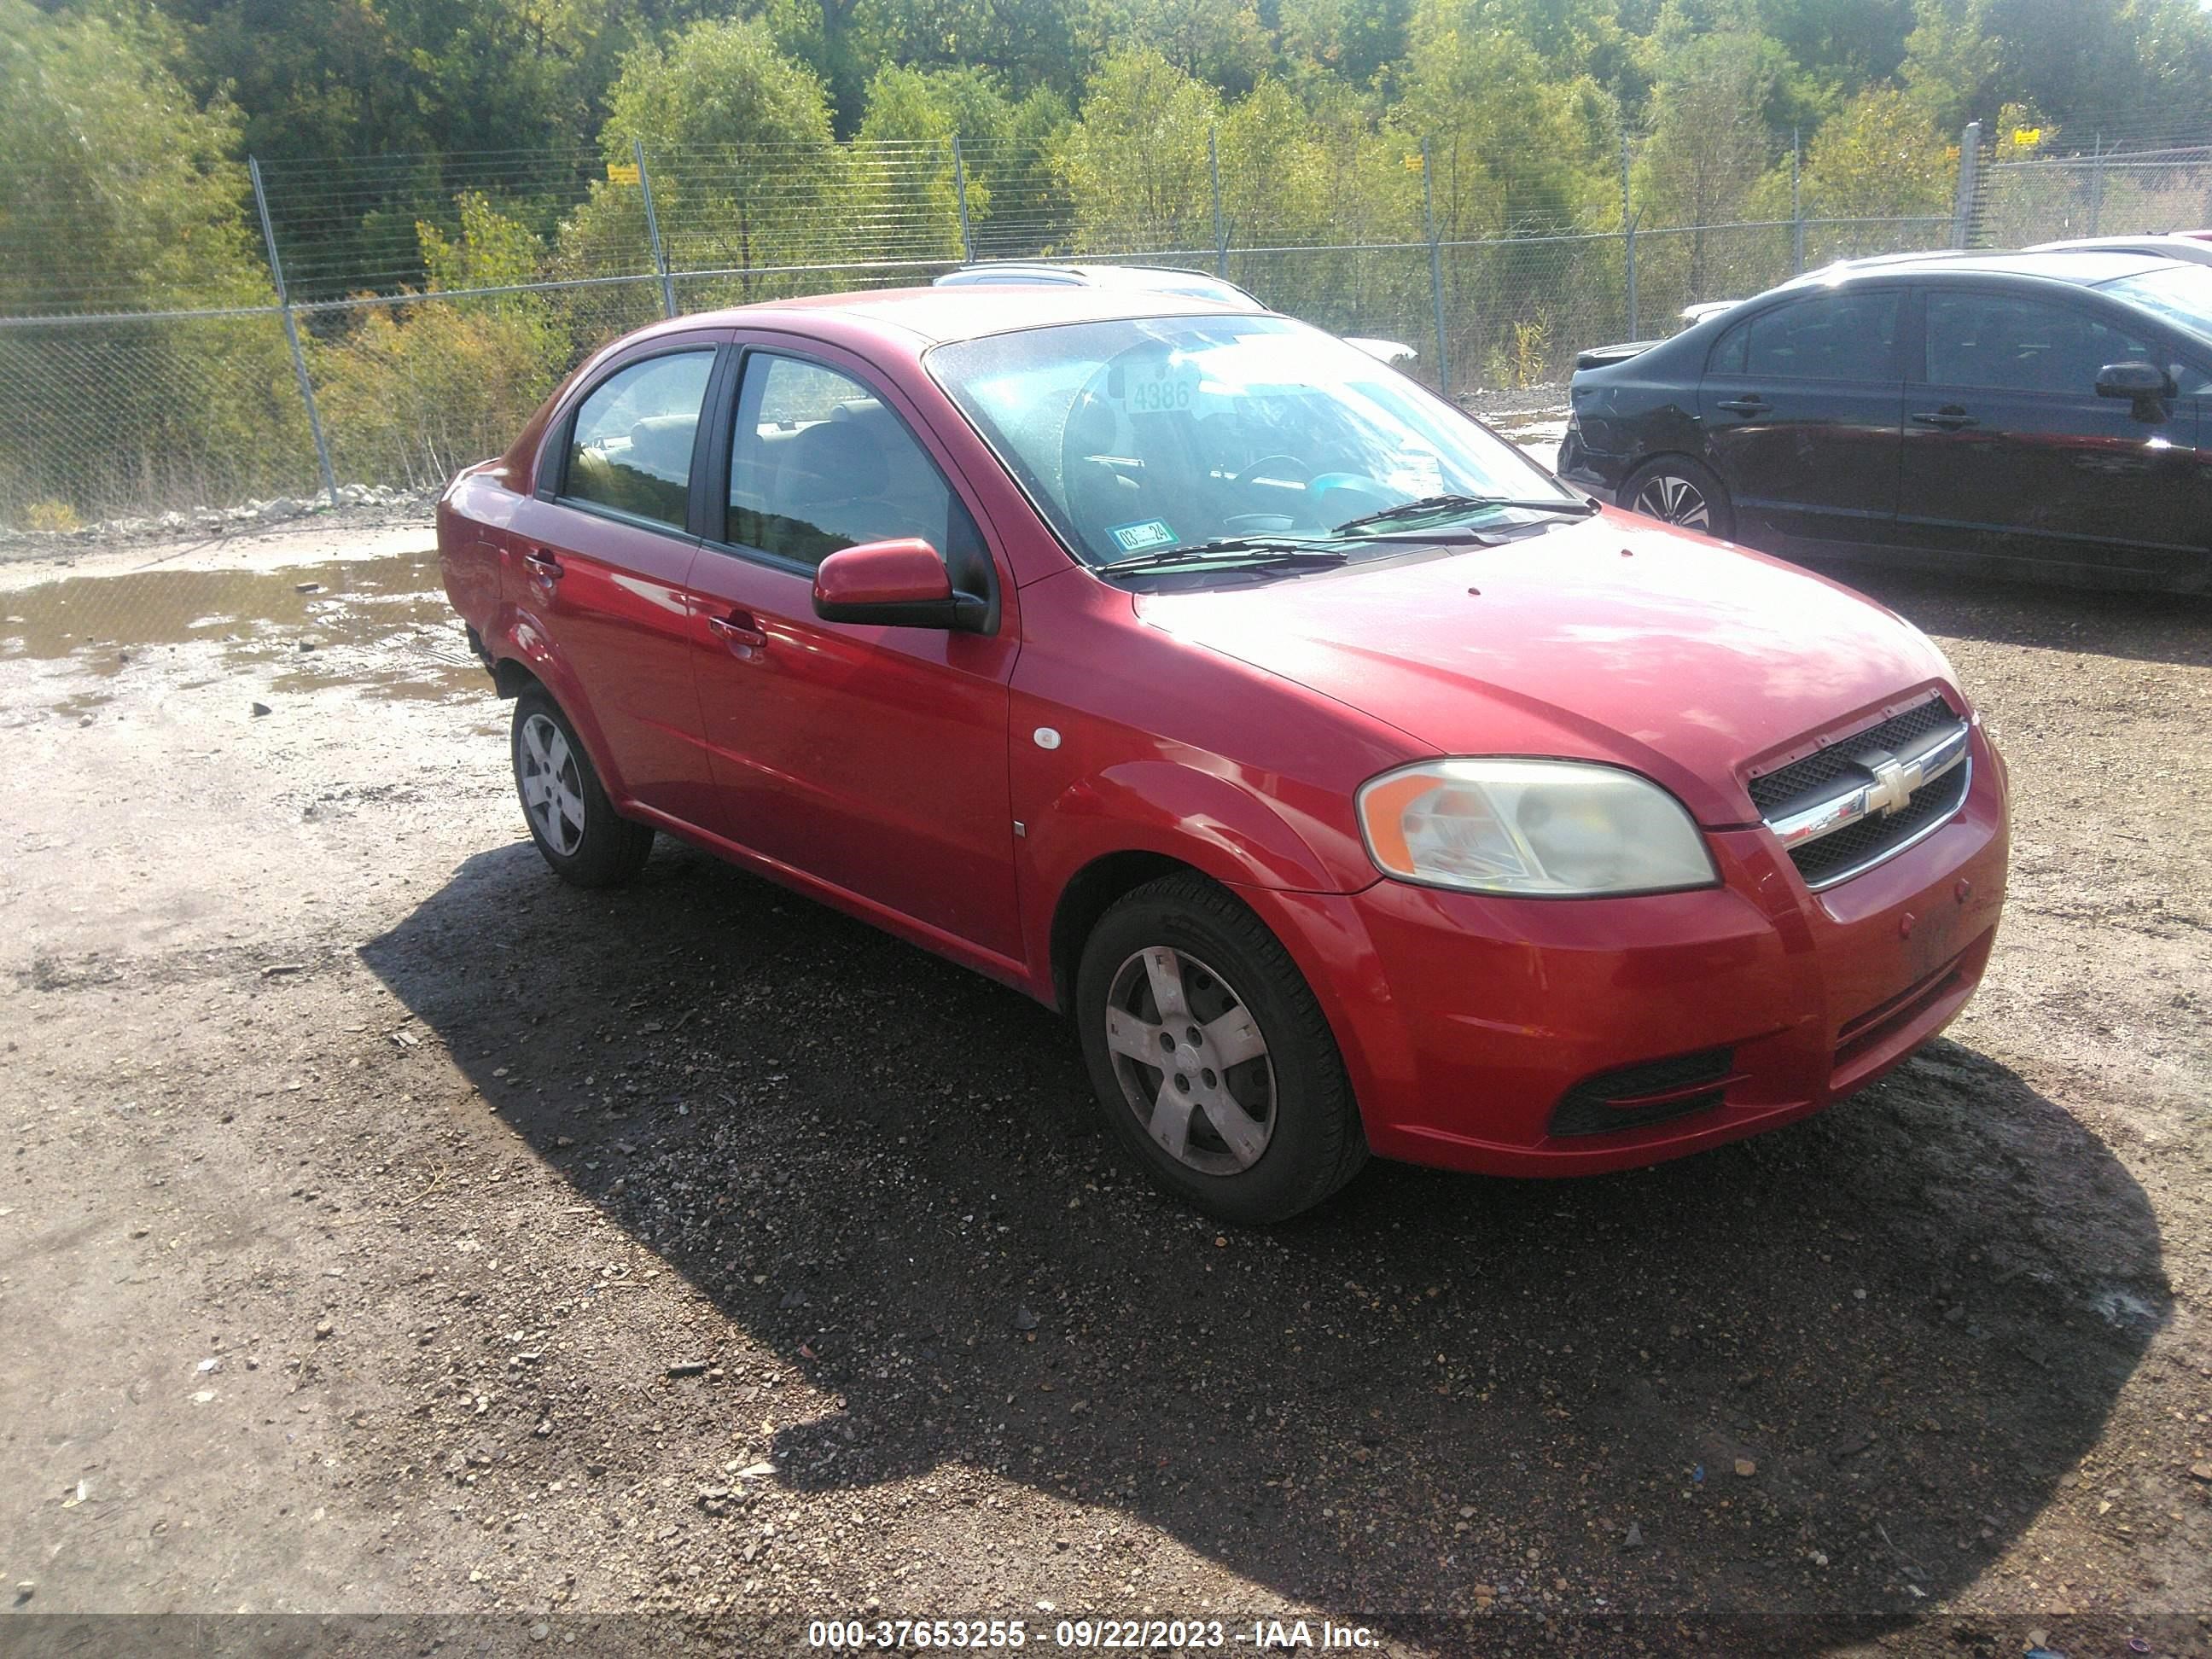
(2166, 628)
(1833, 1370)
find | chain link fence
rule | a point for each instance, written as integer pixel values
(406, 313)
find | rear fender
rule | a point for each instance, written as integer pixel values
(521, 638)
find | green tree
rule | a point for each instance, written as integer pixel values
(903, 164)
(1512, 147)
(1135, 164)
(118, 192)
(1880, 156)
(745, 175)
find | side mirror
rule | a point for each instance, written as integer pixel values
(900, 584)
(2144, 385)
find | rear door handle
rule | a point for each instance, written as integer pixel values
(1949, 419)
(544, 568)
(1746, 405)
(738, 630)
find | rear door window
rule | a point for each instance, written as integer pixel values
(631, 448)
(2007, 344)
(1850, 336)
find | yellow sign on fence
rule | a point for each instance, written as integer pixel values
(621, 173)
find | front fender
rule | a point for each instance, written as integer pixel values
(1216, 824)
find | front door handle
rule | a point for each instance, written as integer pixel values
(544, 569)
(738, 630)
(1951, 420)
(1746, 405)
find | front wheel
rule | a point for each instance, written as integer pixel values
(1678, 490)
(1212, 1060)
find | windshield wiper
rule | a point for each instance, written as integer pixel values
(1270, 551)
(1575, 505)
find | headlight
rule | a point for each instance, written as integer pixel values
(1556, 828)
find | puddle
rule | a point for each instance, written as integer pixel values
(380, 625)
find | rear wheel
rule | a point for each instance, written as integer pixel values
(1212, 1060)
(1678, 490)
(576, 828)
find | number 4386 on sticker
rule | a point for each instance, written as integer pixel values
(1161, 391)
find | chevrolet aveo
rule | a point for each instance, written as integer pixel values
(1351, 785)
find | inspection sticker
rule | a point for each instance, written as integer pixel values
(1142, 538)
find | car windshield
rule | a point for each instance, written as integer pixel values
(1136, 437)
(2180, 293)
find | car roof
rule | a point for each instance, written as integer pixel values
(1172, 279)
(932, 316)
(2195, 249)
(2084, 267)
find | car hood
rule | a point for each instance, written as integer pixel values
(1611, 639)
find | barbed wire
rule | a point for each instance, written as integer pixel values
(437, 297)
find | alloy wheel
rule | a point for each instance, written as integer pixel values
(1676, 499)
(552, 786)
(1191, 1062)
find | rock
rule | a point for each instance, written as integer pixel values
(308, 643)
(689, 1368)
(1025, 1320)
(207, 1366)
(306, 588)
(544, 1427)
(1634, 1541)
(25, 1589)
(2201, 1472)
(261, 709)
(1746, 1467)
(325, 1330)
(792, 1299)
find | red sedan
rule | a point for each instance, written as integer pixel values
(1352, 785)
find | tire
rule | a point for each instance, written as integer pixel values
(1681, 492)
(578, 832)
(1277, 1082)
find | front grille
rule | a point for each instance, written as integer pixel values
(1870, 838)
(1802, 779)
(1644, 1093)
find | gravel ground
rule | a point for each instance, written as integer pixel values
(387, 1230)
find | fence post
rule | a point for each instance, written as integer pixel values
(960, 195)
(1628, 242)
(2097, 186)
(1797, 201)
(653, 230)
(1221, 226)
(1436, 272)
(1969, 161)
(292, 333)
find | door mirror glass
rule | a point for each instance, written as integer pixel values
(896, 584)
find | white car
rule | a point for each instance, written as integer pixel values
(1151, 279)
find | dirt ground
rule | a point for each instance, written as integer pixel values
(386, 1229)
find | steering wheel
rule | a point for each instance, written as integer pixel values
(1304, 471)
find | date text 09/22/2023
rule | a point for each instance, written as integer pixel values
(1141, 1635)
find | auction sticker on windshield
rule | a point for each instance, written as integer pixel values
(1169, 388)
(1144, 537)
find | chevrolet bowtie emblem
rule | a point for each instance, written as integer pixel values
(1892, 786)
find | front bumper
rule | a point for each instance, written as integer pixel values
(1465, 1020)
